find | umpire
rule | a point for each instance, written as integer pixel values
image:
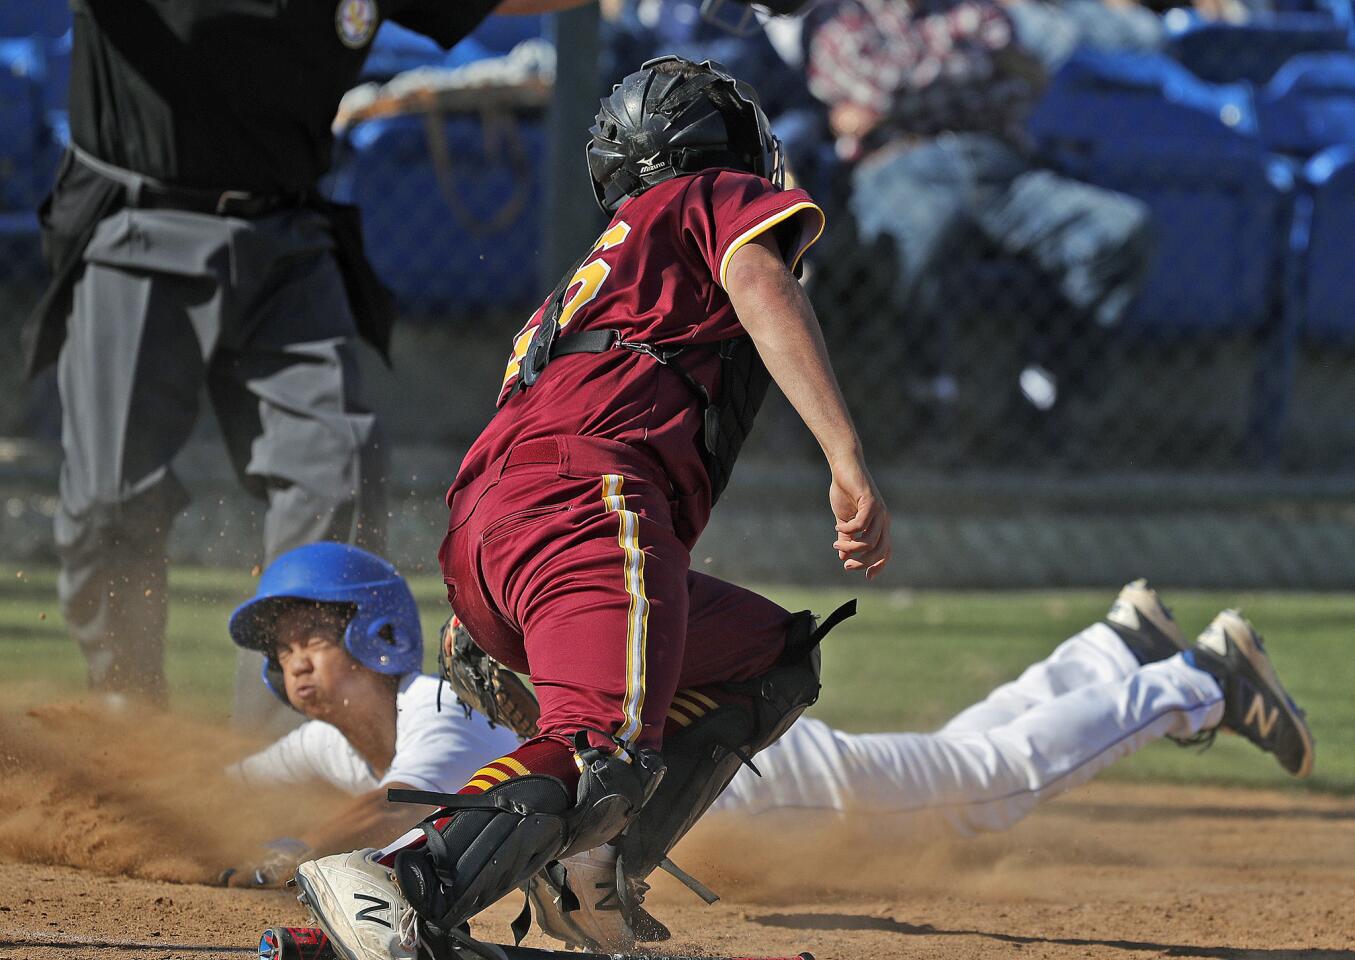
(189, 248)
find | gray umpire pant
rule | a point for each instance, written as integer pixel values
(256, 311)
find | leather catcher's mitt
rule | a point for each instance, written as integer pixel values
(482, 683)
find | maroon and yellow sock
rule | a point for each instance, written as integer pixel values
(546, 756)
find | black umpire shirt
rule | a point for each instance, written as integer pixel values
(220, 95)
(230, 94)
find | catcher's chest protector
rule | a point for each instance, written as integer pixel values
(726, 419)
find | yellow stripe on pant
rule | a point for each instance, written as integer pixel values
(637, 619)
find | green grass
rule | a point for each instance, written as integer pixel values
(907, 662)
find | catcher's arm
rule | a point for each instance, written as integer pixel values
(482, 683)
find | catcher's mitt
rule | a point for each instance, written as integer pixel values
(482, 683)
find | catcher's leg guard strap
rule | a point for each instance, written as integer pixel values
(496, 840)
(703, 757)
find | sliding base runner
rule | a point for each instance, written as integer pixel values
(311, 943)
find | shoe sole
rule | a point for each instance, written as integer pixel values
(312, 903)
(1265, 670)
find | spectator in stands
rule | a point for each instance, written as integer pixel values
(928, 102)
(1054, 29)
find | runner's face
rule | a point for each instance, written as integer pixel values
(320, 676)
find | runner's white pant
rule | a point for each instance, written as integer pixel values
(1059, 724)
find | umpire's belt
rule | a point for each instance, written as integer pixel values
(147, 193)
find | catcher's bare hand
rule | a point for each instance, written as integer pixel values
(862, 520)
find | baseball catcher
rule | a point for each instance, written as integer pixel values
(624, 404)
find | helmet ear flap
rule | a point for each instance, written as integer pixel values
(384, 643)
(273, 679)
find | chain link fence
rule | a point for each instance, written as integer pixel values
(1113, 333)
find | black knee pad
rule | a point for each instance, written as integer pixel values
(703, 757)
(496, 840)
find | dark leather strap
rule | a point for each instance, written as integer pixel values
(585, 341)
(848, 609)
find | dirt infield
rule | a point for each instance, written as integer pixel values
(1110, 871)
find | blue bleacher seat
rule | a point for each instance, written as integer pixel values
(34, 18)
(1253, 52)
(499, 35)
(462, 242)
(1098, 98)
(1220, 221)
(1326, 280)
(397, 49)
(57, 82)
(25, 157)
(1309, 105)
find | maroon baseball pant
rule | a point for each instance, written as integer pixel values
(563, 563)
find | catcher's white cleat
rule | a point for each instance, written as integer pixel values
(576, 900)
(357, 902)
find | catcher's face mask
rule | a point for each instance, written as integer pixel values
(773, 164)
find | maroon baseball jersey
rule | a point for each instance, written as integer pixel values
(657, 275)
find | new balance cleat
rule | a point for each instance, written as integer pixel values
(356, 901)
(577, 900)
(1139, 617)
(1255, 703)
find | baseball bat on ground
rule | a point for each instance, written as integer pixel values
(310, 943)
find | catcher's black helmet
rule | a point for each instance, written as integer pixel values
(675, 116)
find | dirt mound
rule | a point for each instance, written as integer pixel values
(133, 793)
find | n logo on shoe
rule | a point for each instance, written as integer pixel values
(369, 913)
(1264, 720)
(611, 900)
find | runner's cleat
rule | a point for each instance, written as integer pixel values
(1144, 623)
(1255, 702)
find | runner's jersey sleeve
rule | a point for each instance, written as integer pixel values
(313, 751)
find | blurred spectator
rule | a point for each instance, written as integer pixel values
(1053, 29)
(928, 102)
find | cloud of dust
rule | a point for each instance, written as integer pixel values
(135, 793)
(800, 856)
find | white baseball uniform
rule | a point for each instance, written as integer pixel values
(434, 750)
(1060, 723)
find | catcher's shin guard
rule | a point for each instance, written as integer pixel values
(703, 757)
(496, 840)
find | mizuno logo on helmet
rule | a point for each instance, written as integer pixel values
(652, 162)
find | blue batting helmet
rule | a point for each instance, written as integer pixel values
(383, 632)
